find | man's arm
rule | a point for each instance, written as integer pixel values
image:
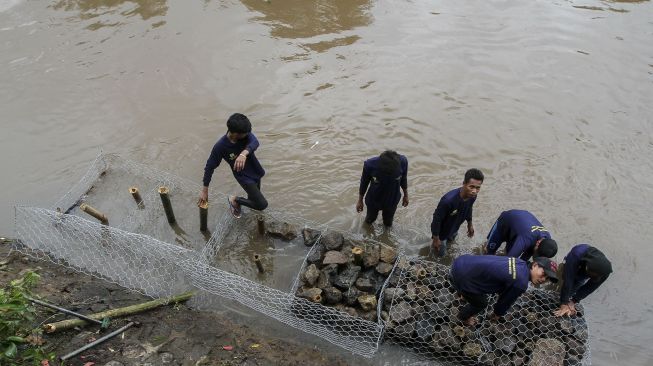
(571, 267)
(587, 289)
(470, 225)
(252, 144)
(211, 164)
(518, 248)
(364, 183)
(506, 299)
(404, 181)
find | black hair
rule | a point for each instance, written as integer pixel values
(239, 123)
(547, 248)
(473, 174)
(389, 163)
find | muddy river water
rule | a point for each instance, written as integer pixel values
(550, 98)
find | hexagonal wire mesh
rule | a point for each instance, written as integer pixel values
(422, 308)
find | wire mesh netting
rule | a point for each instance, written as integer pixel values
(423, 307)
(347, 289)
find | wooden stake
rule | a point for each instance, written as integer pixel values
(204, 214)
(167, 206)
(260, 222)
(358, 255)
(137, 196)
(95, 213)
(114, 313)
(259, 265)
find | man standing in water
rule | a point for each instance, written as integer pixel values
(454, 208)
(584, 269)
(476, 276)
(524, 235)
(384, 175)
(237, 148)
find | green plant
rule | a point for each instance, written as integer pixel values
(20, 344)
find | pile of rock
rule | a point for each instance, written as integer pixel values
(345, 273)
(422, 311)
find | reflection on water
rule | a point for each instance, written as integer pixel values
(89, 9)
(302, 19)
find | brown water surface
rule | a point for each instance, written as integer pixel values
(551, 99)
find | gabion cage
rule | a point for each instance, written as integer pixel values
(422, 315)
(349, 290)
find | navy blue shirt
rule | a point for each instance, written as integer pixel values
(576, 277)
(452, 210)
(520, 230)
(482, 274)
(225, 149)
(383, 190)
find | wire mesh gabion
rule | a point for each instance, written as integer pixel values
(423, 307)
(363, 297)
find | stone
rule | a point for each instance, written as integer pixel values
(316, 254)
(312, 294)
(461, 331)
(506, 344)
(574, 347)
(411, 291)
(519, 358)
(425, 327)
(334, 257)
(367, 302)
(350, 296)
(385, 316)
(166, 357)
(566, 326)
(391, 293)
(371, 256)
(347, 277)
(504, 360)
(332, 295)
(548, 352)
(387, 255)
(404, 330)
(364, 284)
(282, 230)
(472, 350)
(324, 280)
(113, 363)
(310, 236)
(332, 240)
(351, 311)
(384, 268)
(311, 274)
(400, 312)
(370, 316)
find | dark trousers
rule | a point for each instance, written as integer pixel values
(388, 214)
(475, 302)
(255, 199)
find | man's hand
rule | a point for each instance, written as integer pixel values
(437, 243)
(239, 164)
(566, 310)
(204, 196)
(359, 205)
(471, 321)
(470, 229)
(494, 317)
(405, 200)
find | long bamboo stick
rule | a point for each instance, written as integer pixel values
(114, 313)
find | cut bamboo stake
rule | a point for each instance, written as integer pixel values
(95, 213)
(167, 206)
(114, 313)
(259, 265)
(358, 255)
(137, 196)
(260, 223)
(204, 214)
(95, 343)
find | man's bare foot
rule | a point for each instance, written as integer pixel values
(234, 207)
(471, 321)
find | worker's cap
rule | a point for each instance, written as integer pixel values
(550, 267)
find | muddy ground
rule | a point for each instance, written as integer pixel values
(169, 335)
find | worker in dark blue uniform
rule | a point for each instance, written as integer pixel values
(524, 235)
(454, 208)
(385, 176)
(237, 148)
(584, 269)
(475, 277)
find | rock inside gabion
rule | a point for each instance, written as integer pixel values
(422, 315)
(349, 274)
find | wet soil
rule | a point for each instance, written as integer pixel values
(169, 335)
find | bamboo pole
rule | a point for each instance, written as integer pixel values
(114, 313)
(167, 206)
(204, 214)
(95, 213)
(358, 255)
(137, 196)
(260, 223)
(259, 265)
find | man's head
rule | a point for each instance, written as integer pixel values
(543, 269)
(238, 126)
(472, 183)
(597, 265)
(545, 248)
(389, 163)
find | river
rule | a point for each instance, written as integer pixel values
(551, 99)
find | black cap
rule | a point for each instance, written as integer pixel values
(550, 267)
(547, 248)
(596, 262)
